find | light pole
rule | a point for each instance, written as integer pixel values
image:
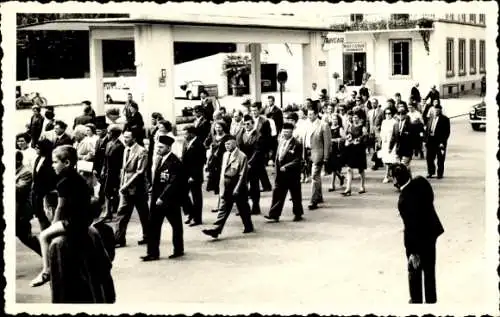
(282, 77)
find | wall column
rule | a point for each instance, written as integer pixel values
(154, 51)
(96, 75)
(307, 69)
(255, 72)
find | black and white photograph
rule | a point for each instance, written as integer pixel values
(239, 158)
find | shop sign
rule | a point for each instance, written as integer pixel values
(354, 47)
(322, 63)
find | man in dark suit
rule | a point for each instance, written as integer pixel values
(62, 138)
(166, 200)
(288, 168)
(207, 105)
(110, 174)
(193, 159)
(100, 150)
(437, 132)
(24, 212)
(133, 189)
(263, 128)
(233, 189)
(135, 122)
(156, 117)
(252, 143)
(402, 137)
(397, 97)
(432, 95)
(85, 118)
(415, 94)
(275, 114)
(422, 227)
(36, 125)
(201, 123)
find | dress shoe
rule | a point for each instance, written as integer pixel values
(211, 232)
(188, 221)
(120, 245)
(313, 206)
(248, 230)
(142, 242)
(439, 177)
(430, 176)
(362, 191)
(149, 258)
(331, 189)
(271, 219)
(346, 193)
(176, 255)
(194, 224)
(298, 218)
(41, 279)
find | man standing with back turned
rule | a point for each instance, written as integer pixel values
(422, 227)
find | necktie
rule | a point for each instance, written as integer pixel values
(434, 122)
(401, 126)
(282, 149)
(127, 155)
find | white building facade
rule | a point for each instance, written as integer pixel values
(393, 51)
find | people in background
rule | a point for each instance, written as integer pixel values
(355, 152)
(438, 132)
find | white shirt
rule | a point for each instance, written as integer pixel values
(40, 162)
(315, 95)
(29, 157)
(415, 116)
(434, 123)
(309, 132)
(190, 143)
(402, 187)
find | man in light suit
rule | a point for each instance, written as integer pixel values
(24, 211)
(288, 168)
(133, 188)
(166, 199)
(438, 132)
(402, 137)
(374, 124)
(317, 146)
(233, 189)
(237, 123)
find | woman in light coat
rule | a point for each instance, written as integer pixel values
(386, 130)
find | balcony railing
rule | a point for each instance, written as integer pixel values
(383, 22)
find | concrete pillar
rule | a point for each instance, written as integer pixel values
(255, 73)
(96, 75)
(154, 51)
(307, 72)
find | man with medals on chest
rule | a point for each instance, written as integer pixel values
(168, 183)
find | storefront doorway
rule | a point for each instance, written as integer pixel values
(354, 68)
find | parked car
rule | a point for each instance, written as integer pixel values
(26, 101)
(477, 116)
(190, 89)
(116, 91)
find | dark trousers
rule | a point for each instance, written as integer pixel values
(254, 189)
(433, 152)
(111, 204)
(193, 205)
(24, 234)
(428, 270)
(262, 176)
(225, 207)
(286, 181)
(125, 209)
(156, 217)
(39, 211)
(273, 147)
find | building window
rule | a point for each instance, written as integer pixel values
(356, 18)
(462, 17)
(472, 18)
(482, 18)
(450, 60)
(449, 16)
(482, 56)
(399, 17)
(472, 57)
(461, 57)
(400, 57)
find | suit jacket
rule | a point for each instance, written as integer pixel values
(442, 131)
(374, 120)
(168, 182)
(36, 126)
(133, 173)
(202, 129)
(254, 147)
(263, 127)
(44, 180)
(24, 179)
(151, 145)
(83, 120)
(100, 152)
(277, 115)
(292, 160)
(193, 159)
(63, 140)
(421, 223)
(111, 171)
(402, 140)
(321, 142)
(209, 108)
(236, 128)
(234, 174)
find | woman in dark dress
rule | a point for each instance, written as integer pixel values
(337, 149)
(217, 149)
(355, 152)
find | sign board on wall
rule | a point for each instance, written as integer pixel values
(322, 63)
(354, 47)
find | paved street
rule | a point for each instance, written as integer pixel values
(348, 254)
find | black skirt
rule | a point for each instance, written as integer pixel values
(355, 156)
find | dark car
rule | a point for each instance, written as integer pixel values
(477, 116)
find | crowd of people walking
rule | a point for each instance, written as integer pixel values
(76, 184)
